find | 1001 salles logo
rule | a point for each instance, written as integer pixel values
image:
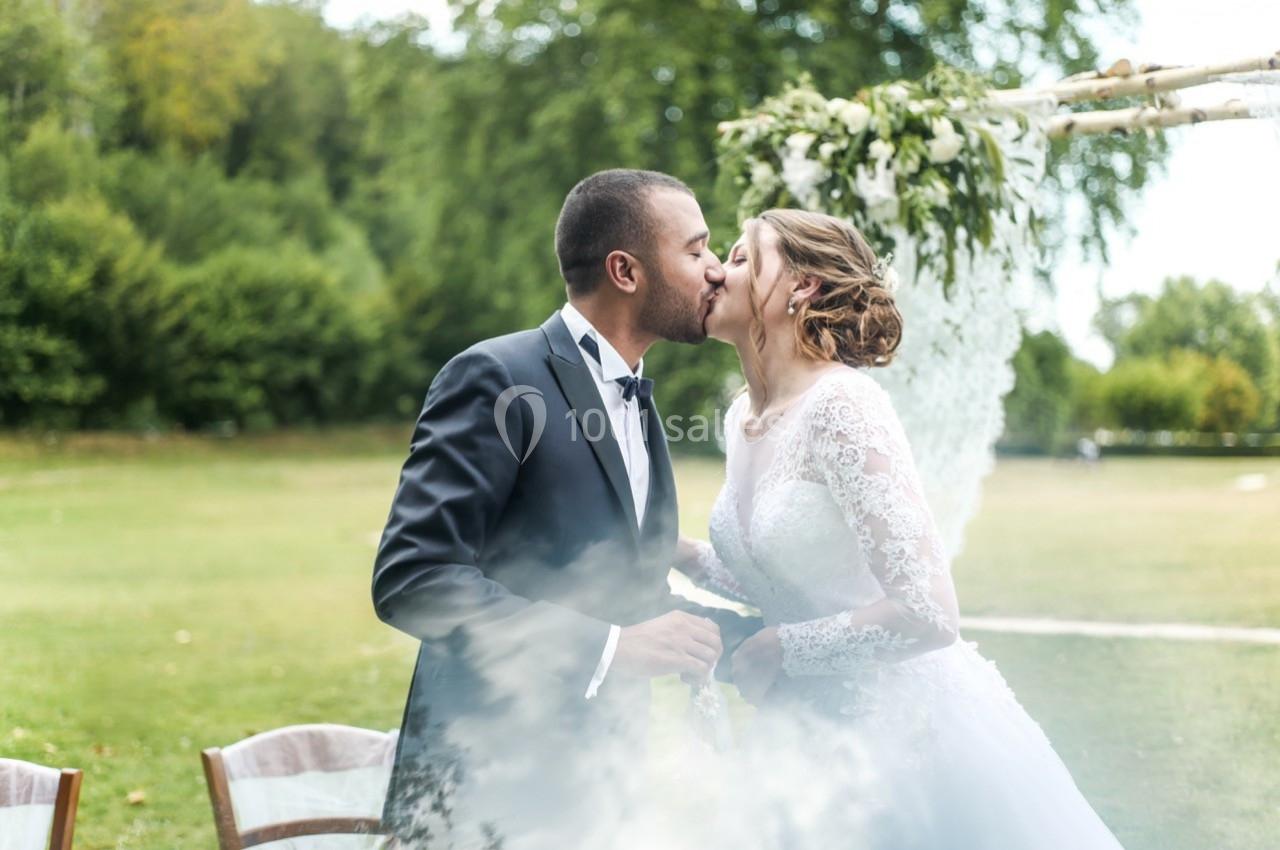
(532, 397)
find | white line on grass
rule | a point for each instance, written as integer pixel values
(1159, 631)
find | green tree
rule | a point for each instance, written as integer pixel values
(188, 66)
(1213, 319)
(541, 93)
(263, 337)
(406, 186)
(79, 306)
(1231, 400)
(1146, 394)
(1088, 407)
(1039, 408)
(52, 162)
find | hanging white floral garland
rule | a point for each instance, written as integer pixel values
(927, 157)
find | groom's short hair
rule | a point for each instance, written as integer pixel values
(608, 211)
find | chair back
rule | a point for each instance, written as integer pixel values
(302, 782)
(37, 806)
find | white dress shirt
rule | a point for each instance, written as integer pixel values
(625, 421)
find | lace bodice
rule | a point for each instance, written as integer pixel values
(823, 526)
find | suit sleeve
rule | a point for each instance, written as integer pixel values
(453, 488)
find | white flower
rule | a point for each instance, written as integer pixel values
(825, 150)
(802, 177)
(798, 143)
(935, 194)
(855, 117)
(880, 150)
(762, 173)
(897, 93)
(878, 190)
(890, 280)
(942, 127)
(946, 148)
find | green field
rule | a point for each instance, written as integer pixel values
(159, 597)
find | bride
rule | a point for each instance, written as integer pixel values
(877, 725)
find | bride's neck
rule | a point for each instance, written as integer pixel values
(777, 374)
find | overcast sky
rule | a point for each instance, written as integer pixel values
(1214, 214)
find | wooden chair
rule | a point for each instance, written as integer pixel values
(292, 751)
(25, 784)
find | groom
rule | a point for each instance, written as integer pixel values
(530, 539)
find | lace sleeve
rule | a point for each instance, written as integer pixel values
(708, 572)
(858, 449)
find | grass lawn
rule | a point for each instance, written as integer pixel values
(157, 598)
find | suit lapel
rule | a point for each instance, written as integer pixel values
(579, 388)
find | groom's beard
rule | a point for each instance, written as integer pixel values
(669, 314)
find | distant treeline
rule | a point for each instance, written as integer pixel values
(1192, 359)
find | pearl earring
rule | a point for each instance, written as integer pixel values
(791, 307)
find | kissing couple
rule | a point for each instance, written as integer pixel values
(528, 549)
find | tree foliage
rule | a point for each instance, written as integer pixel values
(1212, 319)
(224, 210)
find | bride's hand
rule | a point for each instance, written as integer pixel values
(756, 664)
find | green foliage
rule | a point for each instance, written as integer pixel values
(1088, 408)
(899, 154)
(35, 65)
(188, 66)
(1039, 409)
(553, 91)
(52, 162)
(409, 193)
(262, 337)
(1231, 400)
(80, 292)
(1150, 394)
(1212, 319)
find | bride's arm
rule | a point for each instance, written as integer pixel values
(862, 454)
(697, 559)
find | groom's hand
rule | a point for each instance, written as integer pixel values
(676, 642)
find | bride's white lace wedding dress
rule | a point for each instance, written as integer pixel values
(885, 730)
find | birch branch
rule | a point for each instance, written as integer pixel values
(1125, 120)
(1120, 81)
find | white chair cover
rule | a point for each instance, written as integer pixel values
(27, 796)
(310, 771)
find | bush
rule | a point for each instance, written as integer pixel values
(264, 337)
(1211, 318)
(1231, 399)
(79, 295)
(1148, 395)
(1183, 391)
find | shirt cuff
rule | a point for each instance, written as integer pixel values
(606, 658)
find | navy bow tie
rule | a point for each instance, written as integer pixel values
(631, 385)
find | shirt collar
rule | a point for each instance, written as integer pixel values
(612, 366)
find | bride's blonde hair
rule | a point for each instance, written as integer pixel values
(852, 318)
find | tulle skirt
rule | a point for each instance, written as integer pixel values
(934, 753)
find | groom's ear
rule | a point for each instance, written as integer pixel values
(623, 271)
